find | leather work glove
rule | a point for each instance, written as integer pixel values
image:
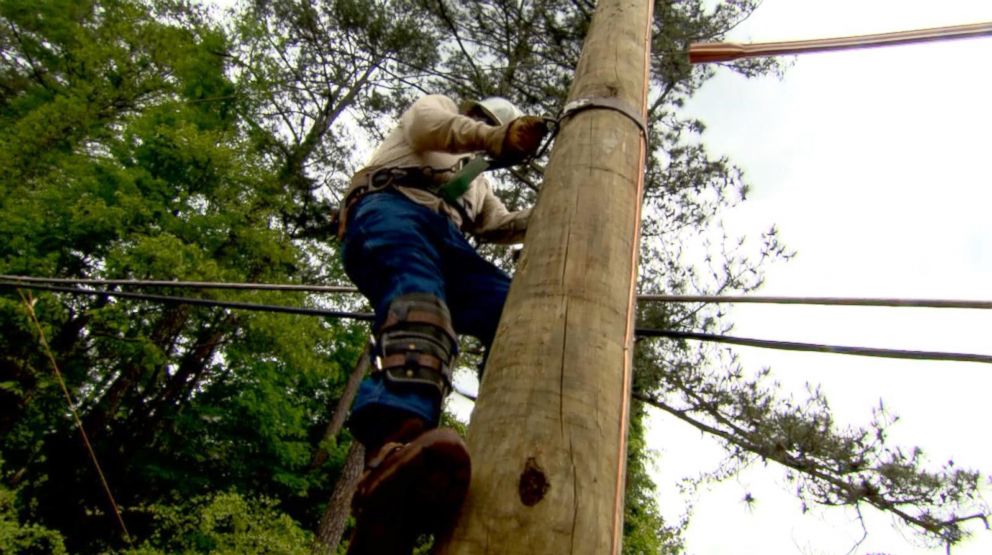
(518, 139)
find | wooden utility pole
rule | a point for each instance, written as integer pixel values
(548, 434)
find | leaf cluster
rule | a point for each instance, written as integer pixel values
(125, 154)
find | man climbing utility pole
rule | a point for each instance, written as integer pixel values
(548, 433)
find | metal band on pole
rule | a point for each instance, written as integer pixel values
(608, 103)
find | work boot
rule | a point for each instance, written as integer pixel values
(409, 489)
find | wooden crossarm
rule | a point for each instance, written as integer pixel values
(709, 52)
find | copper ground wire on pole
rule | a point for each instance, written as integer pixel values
(630, 331)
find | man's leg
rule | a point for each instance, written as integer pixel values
(415, 479)
(476, 291)
(390, 252)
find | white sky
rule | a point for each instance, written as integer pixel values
(875, 166)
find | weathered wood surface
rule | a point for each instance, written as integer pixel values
(548, 432)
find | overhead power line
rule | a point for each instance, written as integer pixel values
(640, 332)
(818, 348)
(826, 301)
(711, 299)
(187, 284)
(169, 299)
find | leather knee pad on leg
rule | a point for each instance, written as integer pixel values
(416, 345)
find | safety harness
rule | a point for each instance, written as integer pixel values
(466, 170)
(375, 179)
(378, 179)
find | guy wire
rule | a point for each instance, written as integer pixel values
(29, 305)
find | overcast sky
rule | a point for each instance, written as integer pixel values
(875, 167)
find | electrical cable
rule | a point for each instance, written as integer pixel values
(814, 347)
(639, 332)
(187, 284)
(706, 299)
(700, 53)
(826, 301)
(168, 299)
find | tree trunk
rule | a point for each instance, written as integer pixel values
(341, 408)
(335, 516)
(339, 506)
(168, 326)
(548, 434)
(153, 413)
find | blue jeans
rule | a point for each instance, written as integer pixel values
(394, 246)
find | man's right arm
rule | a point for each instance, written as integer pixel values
(434, 124)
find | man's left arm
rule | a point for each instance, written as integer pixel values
(496, 224)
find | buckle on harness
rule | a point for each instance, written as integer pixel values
(420, 177)
(424, 178)
(416, 345)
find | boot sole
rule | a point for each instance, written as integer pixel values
(416, 491)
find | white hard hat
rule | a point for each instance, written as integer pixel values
(495, 108)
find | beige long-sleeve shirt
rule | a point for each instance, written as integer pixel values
(433, 133)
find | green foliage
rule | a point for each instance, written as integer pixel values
(644, 530)
(828, 465)
(224, 523)
(125, 154)
(17, 537)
